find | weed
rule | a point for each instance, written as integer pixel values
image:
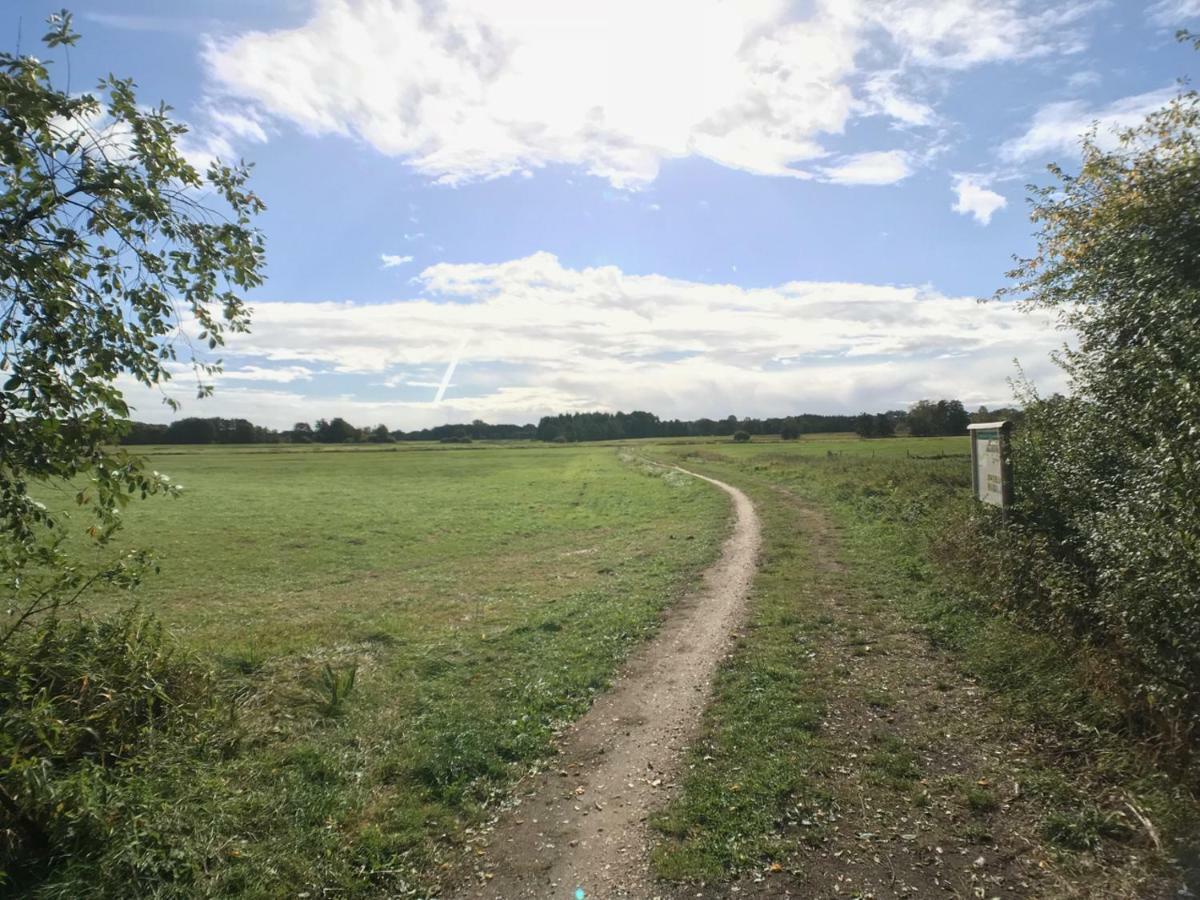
(1084, 829)
(334, 687)
(980, 800)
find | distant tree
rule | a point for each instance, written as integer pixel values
(381, 435)
(741, 436)
(242, 432)
(145, 433)
(944, 417)
(191, 431)
(884, 425)
(727, 426)
(864, 425)
(302, 433)
(336, 431)
(790, 430)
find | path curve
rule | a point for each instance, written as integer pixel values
(583, 825)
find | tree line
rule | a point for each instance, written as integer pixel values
(927, 418)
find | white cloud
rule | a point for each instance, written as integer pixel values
(1169, 13)
(884, 96)
(974, 198)
(543, 338)
(279, 374)
(1057, 128)
(875, 167)
(959, 34)
(392, 260)
(470, 89)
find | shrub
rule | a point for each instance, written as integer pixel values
(741, 436)
(1103, 547)
(84, 704)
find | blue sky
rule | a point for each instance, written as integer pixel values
(696, 207)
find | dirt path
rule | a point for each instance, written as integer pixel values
(582, 826)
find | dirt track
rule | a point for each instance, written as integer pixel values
(583, 825)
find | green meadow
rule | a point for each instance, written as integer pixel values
(399, 633)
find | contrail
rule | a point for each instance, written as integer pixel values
(441, 391)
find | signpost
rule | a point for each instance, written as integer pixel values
(991, 463)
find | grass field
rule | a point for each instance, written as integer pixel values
(774, 771)
(480, 595)
(464, 603)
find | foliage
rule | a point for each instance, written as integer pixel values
(873, 426)
(602, 426)
(741, 437)
(1106, 541)
(106, 249)
(85, 705)
(380, 435)
(336, 431)
(944, 417)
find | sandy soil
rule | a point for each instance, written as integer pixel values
(583, 825)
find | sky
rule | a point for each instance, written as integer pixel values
(502, 210)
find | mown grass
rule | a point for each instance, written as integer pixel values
(398, 635)
(892, 499)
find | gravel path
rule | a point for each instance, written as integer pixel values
(583, 825)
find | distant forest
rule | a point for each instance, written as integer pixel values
(927, 418)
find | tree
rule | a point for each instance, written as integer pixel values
(106, 252)
(1109, 483)
(945, 417)
(381, 435)
(864, 425)
(302, 433)
(741, 436)
(790, 430)
(337, 431)
(192, 431)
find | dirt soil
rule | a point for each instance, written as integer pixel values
(583, 824)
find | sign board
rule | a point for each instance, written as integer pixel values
(991, 467)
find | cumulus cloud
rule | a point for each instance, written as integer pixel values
(471, 89)
(876, 167)
(392, 260)
(974, 198)
(544, 337)
(1058, 127)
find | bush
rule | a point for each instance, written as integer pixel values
(741, 436)
(1103, 547)
(83, 705)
